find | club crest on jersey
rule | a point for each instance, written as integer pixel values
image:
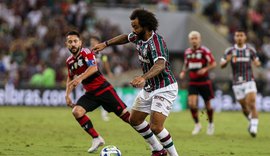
(199, 56)
(80, 62)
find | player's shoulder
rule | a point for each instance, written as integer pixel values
(229, 49)
(86, 51)
(205, 49)
(188, 51)
(251, 48)
(70, 59)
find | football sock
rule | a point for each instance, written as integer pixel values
(210, 115)
(87, 125)
(254, 122)
(166, 140)
(194, 113)
(125, 117)
(148, 135)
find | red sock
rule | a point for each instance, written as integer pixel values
(210, 115)
(87, 125)
(194, 113)
(125, 117)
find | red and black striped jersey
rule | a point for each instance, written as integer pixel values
(95, 83)
(196, 59)
(241, 62)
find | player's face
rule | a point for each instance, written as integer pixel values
(240, 37)
(73, 44)
(137, 28)
(195, 41)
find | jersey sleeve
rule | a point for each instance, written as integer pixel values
(209, 56)
(227, 52)
(132, 37)
(158, 49)
(89, 58)
(253, 54)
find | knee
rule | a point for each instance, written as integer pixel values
(134, 122)
(208, 105)
(156, 129)
(192, 105)
(78, 112)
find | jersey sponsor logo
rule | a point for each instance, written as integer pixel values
(143, 59)
(241, 59)
(195, 65)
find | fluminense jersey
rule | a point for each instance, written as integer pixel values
(95, 83)
(241, 62)
(196, 59)
(150, 51)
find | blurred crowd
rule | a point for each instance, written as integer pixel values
(32, 33)
(32, 36)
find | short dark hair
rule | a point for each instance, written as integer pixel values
(241, 30)
(146, 18)
(73, 32)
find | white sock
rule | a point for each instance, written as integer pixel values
(166, 140)
(254, 123)
(144, 130)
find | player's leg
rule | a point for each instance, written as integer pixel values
(240, 97)
(161, 106)
(140, 111)
(84, 104)
(254, 121)
(207, 93)
(251, 92)
(193, 106)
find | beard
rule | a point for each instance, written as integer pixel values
(141, 35)
(74, 50)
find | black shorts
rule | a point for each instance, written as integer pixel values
(205, 90)
(109, 100)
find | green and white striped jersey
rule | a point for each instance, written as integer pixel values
(150, 51)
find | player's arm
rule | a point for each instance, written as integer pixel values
(257, 62)
(184, 68)
(226, 58)
(156, 69)
(211, 63)
(69, 89)
(88, 72)
(121, 39)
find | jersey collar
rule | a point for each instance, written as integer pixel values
(238, 48)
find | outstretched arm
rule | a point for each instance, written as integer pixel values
(121, 39)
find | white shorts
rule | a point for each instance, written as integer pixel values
(241, 90)
(160, 100)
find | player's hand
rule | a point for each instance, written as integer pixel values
(202, 71)
(74, 83)
(138, 82)
(98, 47)
(182, 75)
(69, 102)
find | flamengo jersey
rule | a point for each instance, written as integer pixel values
(150, 51)
(95, 83)
(196, 60)
(241, 62)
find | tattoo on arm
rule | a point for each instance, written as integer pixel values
(157, 68)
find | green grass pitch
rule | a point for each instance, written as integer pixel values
(52, 131)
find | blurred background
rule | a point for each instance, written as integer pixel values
(33, 54)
